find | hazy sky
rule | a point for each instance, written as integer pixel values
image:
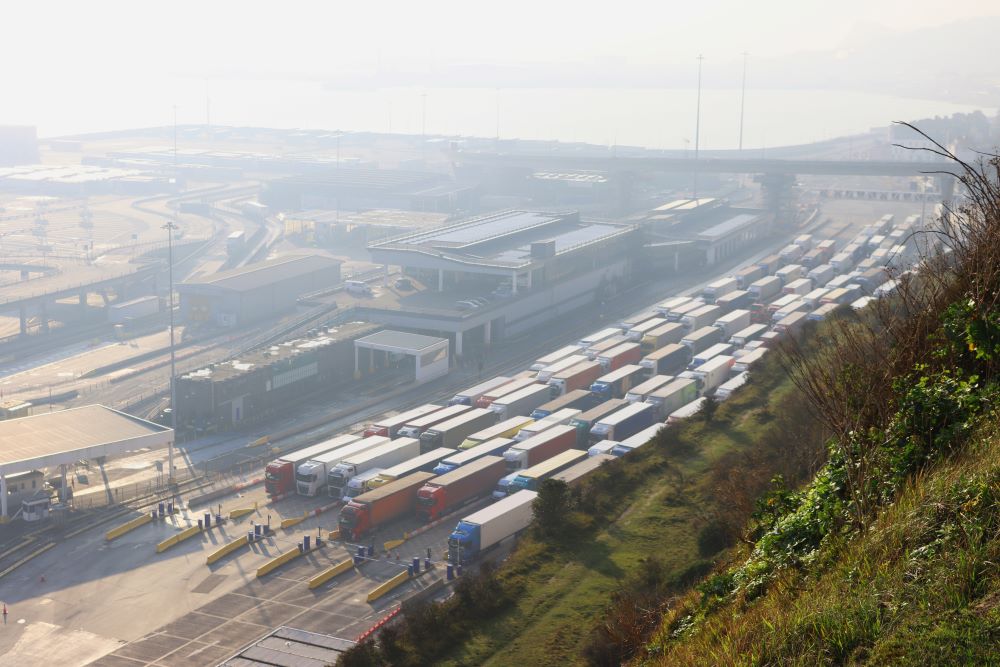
(52, 41)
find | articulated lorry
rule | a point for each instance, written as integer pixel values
(712, 373)
(618, 356)
(389, 426)
(279, 474)
(555, 419)
(453, 432)
(734, 300)
(638, 440)
(472, 394)
(427, 462)
(310, 477)
(637, 332)
(380, 506)
(597, 337)
(493, 447)
(765, 289)
(414, 427)
(508, 428)
(748, 274)
(664, 308)
(702, 339)
(671, 396)
(517, 384)
(578, 472)
(579, 399)
(621, 424)
(383, 456)
(580, 376)
(640, 392)
(732, 322)
(521, 402)
(489, 526)
(719, 287)
(671, 332)
(553, 357)
(448, 492)
(584, 421)
(531, 478)
(617, 383)
(561, 365)
(361, 483)
(667, 360)
(701, 317)
(537, 448)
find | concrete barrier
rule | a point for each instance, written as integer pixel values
(263, 440)
(331, 572)
(240, 512)
(387, 586)
(227, 549)
(118, 531)
(392, 544)
(333, 534)
(277, 562)
(187, 533)
(288, 523)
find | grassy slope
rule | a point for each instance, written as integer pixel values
(563, 594)
(920, 587)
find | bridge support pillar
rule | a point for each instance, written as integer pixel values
(43, 317)
(22, 312)
(83, 302)
(3, 496)
(946, 185)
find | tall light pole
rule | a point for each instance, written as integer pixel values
(498, 115)
(170, 227)
(697, 128)
(423, 126)
(743, 97)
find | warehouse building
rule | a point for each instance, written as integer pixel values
(688, 233)
(261, 383)
(258, 291)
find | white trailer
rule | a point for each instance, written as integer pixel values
(383, 456)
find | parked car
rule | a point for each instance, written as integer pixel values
(403, 284)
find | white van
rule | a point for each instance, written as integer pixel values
(358, 287)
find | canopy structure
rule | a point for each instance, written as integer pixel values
(430, 354)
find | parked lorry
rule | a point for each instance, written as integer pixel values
(732, 322)
(580, 376)
(791, 323)
(561, 365)
(472, 394)
(602, 448)
(500, 492)
(414, 427)
(821, 275)
(799, 286)
(521, 402)
(492, 447)
(671, 332)
(677, 313)
(701, 339)
(579, 471)
(771, 263)
(580, 399)
(667, 360)
(617, 383)
(814, 297)
(622, 423)
(382, 456)
(453, 432)
(747, 334)
(791, 253)
(389, 426)
(701, 317)
(765, 289)
(517, 384)
(641, 391)
(427, 462)
(359, 483)
(555, 419)
(710, 353)
(749, 359)
(735, 300)
(598, 336)
(748, 274)
(686, 411)
(712, 373)
(489, 526)
(665, 307)
(671, 396)
(310, 477)
(637, 332)
(719, 287)
(634, 320)
(584, 421)
(531, 478)
(553, 357)
(379, 506)
(535, 449)
(446, 493)
(508, 428)
(636, 441)
(598, 349)
(616, 357)
(790, 272)
(279, 474)
(727, 388)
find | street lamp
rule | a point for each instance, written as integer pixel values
(170, 227)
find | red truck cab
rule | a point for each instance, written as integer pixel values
(279, 477)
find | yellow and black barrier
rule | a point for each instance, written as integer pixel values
(118, 531)
(227, 549)
(387, 586)
(277, 562)
(331, 572)
(187, 533)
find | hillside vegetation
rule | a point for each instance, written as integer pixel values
(890, 554)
